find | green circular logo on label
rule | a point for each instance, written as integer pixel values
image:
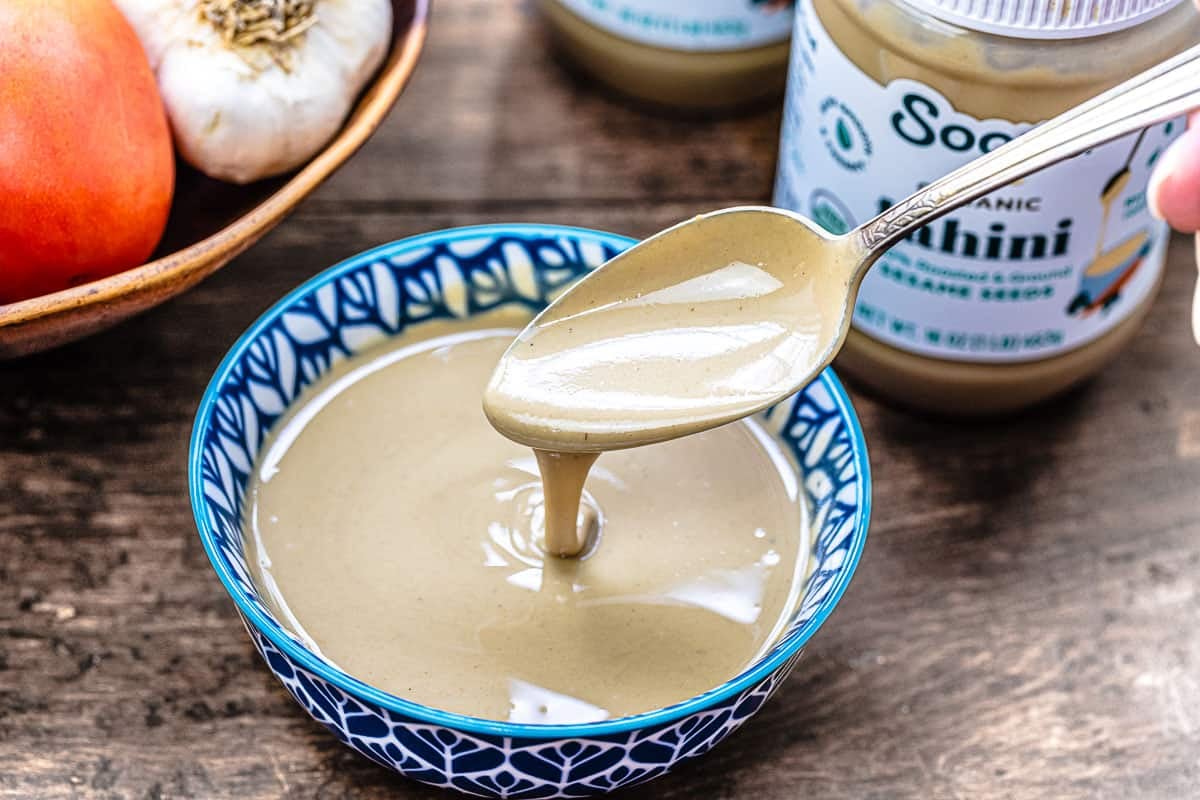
(828, 211)
(844, 135)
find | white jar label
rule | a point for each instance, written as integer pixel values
(1028, 271)
(705, 25)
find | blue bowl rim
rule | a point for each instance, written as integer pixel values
(427, 714)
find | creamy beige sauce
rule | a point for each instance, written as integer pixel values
(700, 325)
(569, 524)
(399, 535)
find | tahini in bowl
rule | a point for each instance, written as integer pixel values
(390, 292)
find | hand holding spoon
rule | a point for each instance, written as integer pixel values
(728, 313)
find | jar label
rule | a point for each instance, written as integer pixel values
(705, 25)
(1024, 273)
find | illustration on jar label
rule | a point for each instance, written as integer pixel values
(707, 25)
(1026, 272)
(1112, 267)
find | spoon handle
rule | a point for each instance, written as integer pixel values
(1156, 95)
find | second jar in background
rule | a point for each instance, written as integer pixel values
(1031, 289)
(688, 54)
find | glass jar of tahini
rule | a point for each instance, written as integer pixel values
(1031, 289)
(690, 54)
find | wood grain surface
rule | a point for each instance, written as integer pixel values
(1025, 623)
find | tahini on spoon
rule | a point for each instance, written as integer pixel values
(728, 313)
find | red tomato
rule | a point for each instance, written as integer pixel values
(86, 166)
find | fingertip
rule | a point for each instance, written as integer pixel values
(1174, 190)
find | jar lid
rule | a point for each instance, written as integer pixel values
(1046, 19)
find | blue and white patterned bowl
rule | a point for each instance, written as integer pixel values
(453, 274)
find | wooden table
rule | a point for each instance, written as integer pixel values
(1025, 623)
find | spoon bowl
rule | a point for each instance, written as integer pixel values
(719, 317)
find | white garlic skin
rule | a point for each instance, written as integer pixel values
(156, 23)
(241, 123)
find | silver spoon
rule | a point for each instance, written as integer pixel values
(728, 313)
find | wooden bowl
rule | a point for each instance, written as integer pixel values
(212, 222)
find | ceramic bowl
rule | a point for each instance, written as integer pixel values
(212, 222)
(392, 291)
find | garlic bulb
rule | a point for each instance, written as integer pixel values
(254, 88)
